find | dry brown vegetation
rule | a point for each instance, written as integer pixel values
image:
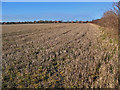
(59, 55)
(69, 55)
(110, 19)
(111, 22)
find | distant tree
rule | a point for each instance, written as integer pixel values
(34, 21)
(59, 21)
(50, 21)
(46, 21)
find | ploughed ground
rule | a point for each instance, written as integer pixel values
(58, 55)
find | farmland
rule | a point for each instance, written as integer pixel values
(58, 55)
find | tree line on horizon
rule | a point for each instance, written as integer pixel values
(41, 21)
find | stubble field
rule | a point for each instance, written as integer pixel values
(58, 55)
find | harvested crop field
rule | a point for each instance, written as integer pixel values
(58, 55)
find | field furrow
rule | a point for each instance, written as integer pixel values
(58, 55)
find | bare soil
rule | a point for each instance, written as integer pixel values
(59, 55)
